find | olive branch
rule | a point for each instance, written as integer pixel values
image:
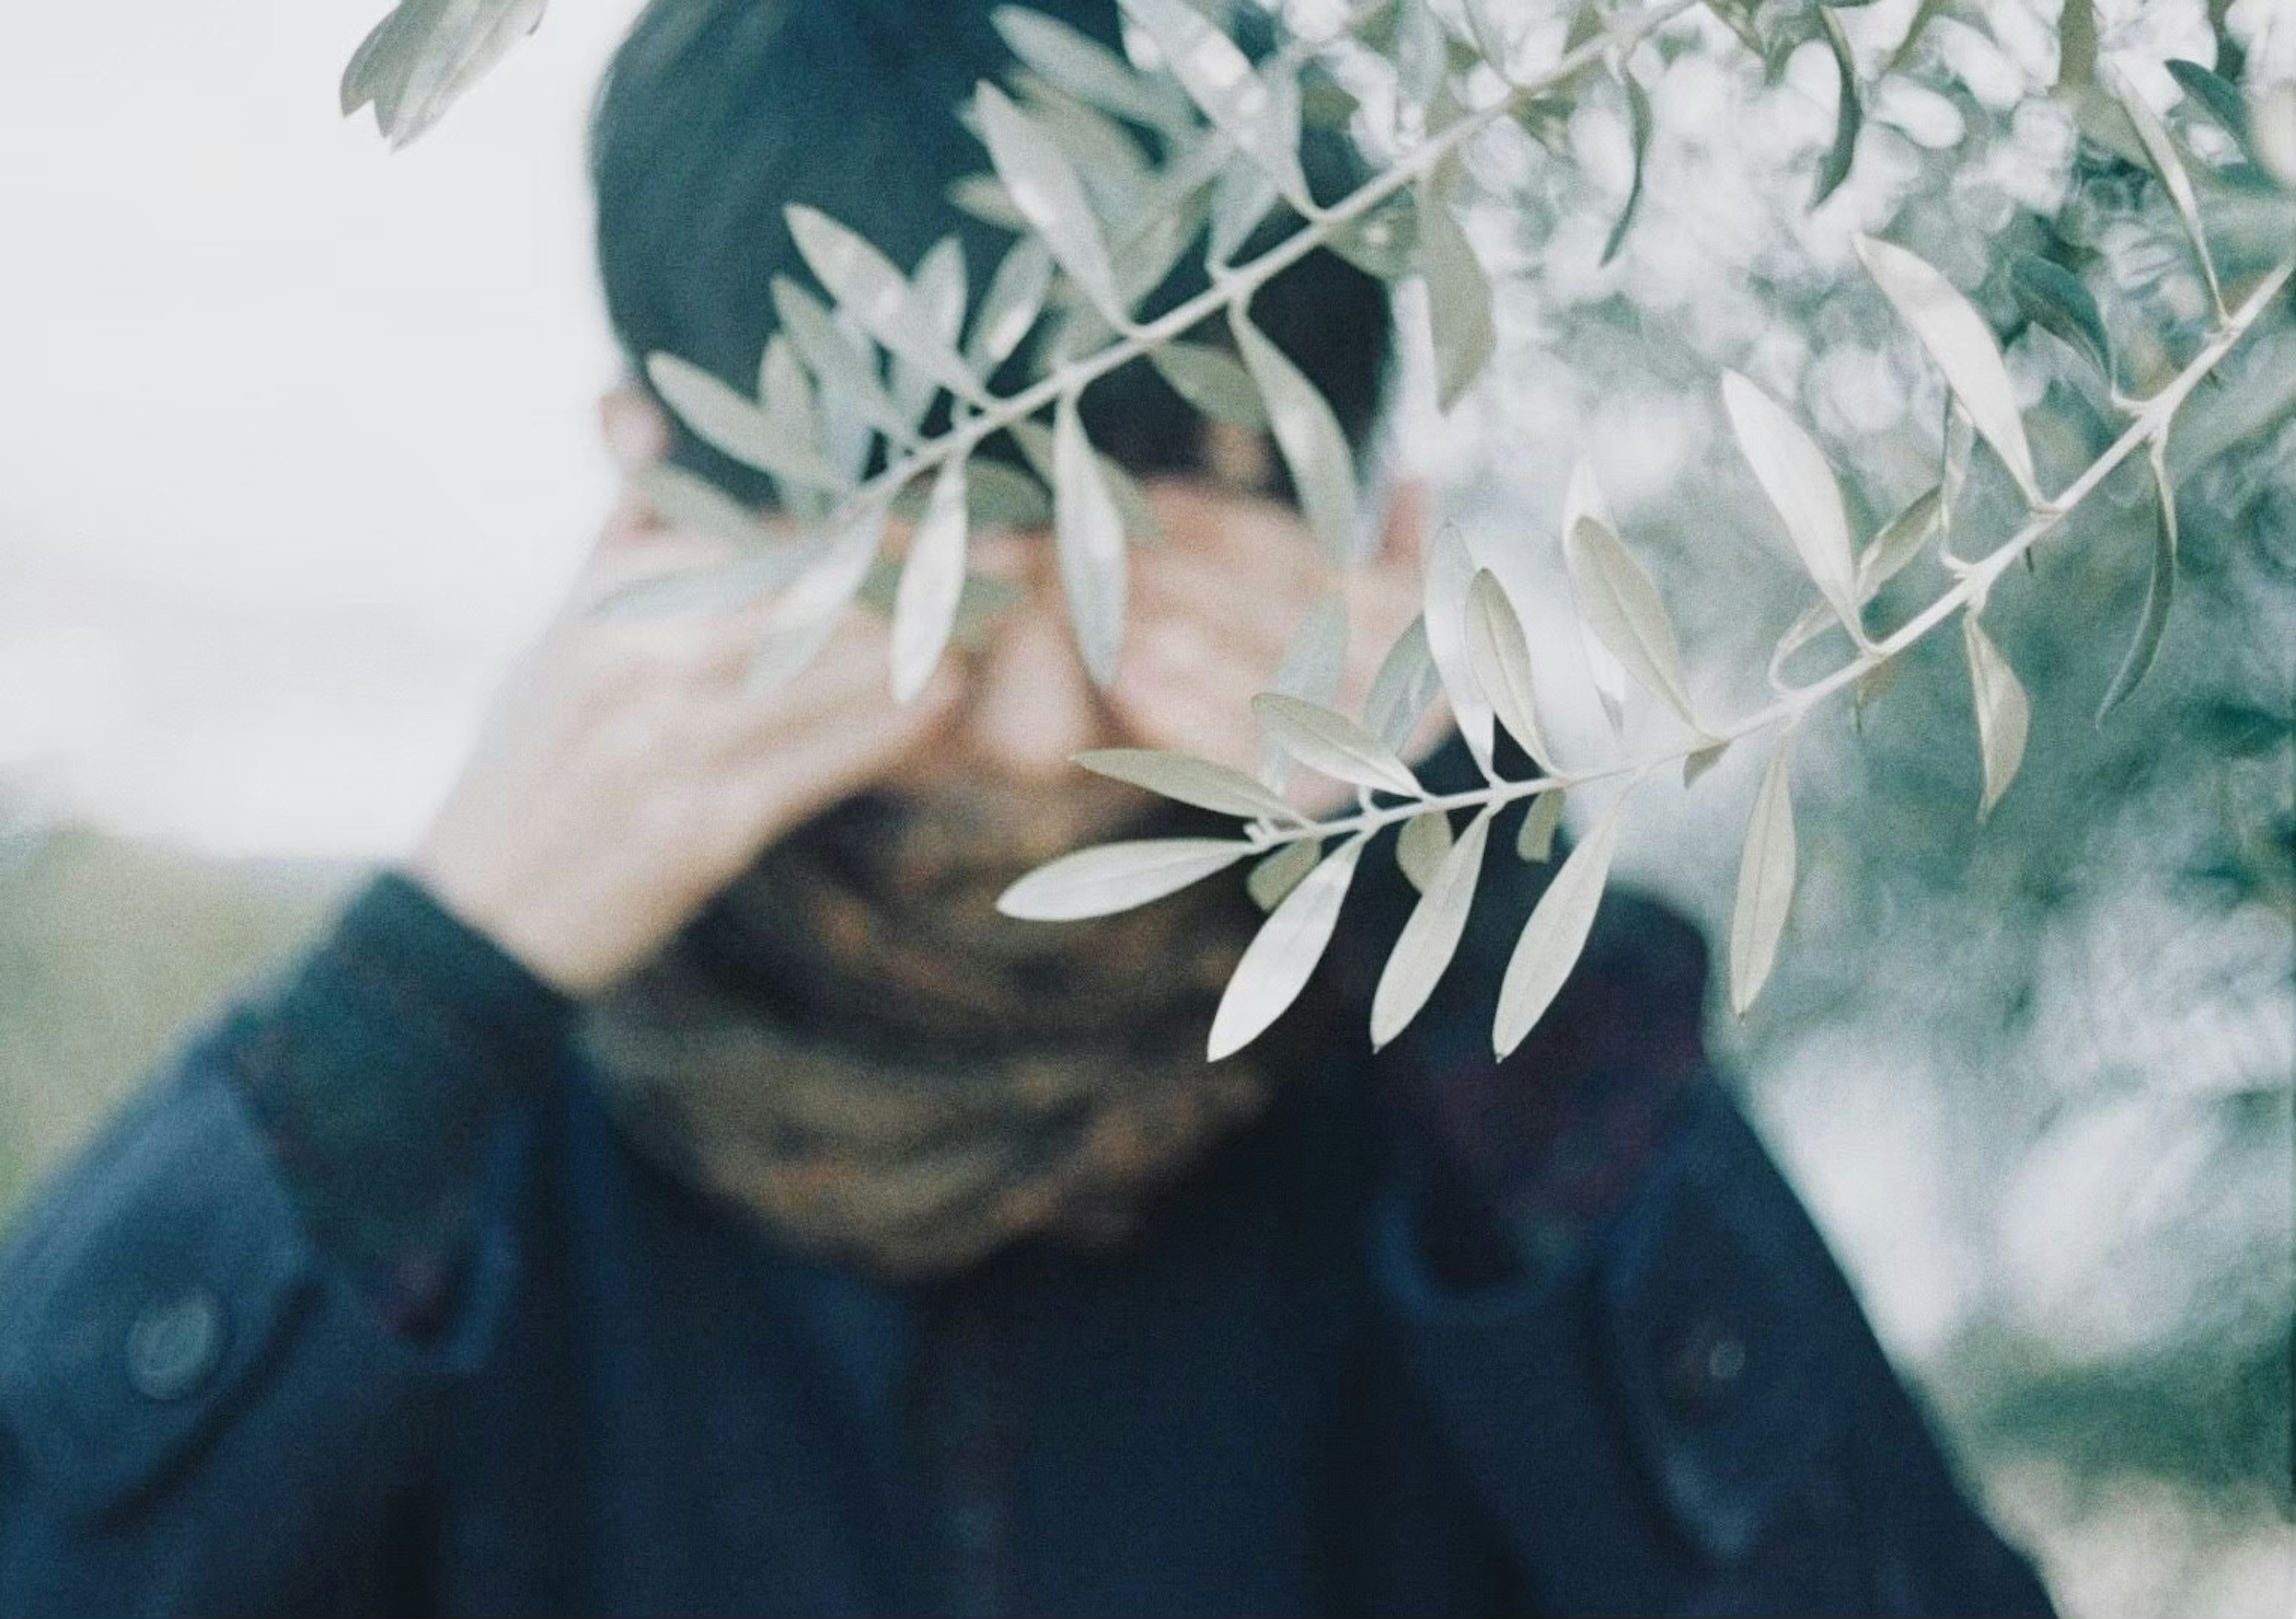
(1098, 226)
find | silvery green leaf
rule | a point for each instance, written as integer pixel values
(1323, 468)
(1849, 111)
(1015, 298)
(2161, 153)
(1241, 200)
(1281, 872)
(1188, 779)
(1556, 934)
(2272, 131)
(1087, 68)
(420, 57)
(727, 421)
(1422, 55)
(1311, 668)
(695, 505)
(877, 296)
(1534, 840)
(1400, 692)
(999, 496)
(2003, 715)
(841, 373)
(1132, 504)
(716, 588)
(1766, 882)
(1259, 113)
(2077, 43)
(1283, 954)
(1962, 346)
(1620, 605)
(939, 289)
(1488, 26)
(1903, 537)
(1500, 657)
(1384, 241)
(2220, 97)
(1162, 232)
(1458, 300)
(1639, 127)
(925, 609)
(1089, 536)
(2054, 298)
(1330, 743)
(1116, 176)
(1421, 846)
(2158, 594)
(803, 621)
(1430, 937)
(1794, 473)
(1045, 191)
(1117, 877)
(786, 392)
(1449, 571)
(984, 198)
(1584, 499)
(1212, 381)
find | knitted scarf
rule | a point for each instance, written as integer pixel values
(853, 1046)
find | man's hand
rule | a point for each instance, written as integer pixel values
(1212, 609)
(624, 773)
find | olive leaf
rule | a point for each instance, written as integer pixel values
(1009, 306)
(2272, 131)
(1458, 299)
(1639, 127)
(1113, 877)
(1903, 538)
(1449, 571)
(1308, 434)
(801, 622)
(1556, 933)
(2154, 620)
(1405, 685)
(695, 505)
(2076, 43)
(1188, 779)
(1036, 442)
(1584, 499)
(715, 588)
(727, 421)
(2220, 97)
(867, 287)
(1431, 936)
(1487, 27)
(1500, 657)
(1087, 68)
(1311, 667)
(1849, 111)
(1796, 476)
(932, 580)
(2161, 154)
(1047, 192)
(1283, 954)
(1241, 200)
(420, 57)
(1329, 743)
(1260, 113)
(1958, 339)
(1088, 537)
(1421, 846)
(1281, 872)
(1534, 840)
(2004, 714)
(2054, 298)
(785, 391)
(1766, 882)
(841, 373)
(1211, 380)
(1622, 605)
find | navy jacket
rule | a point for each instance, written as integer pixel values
(633, 1403)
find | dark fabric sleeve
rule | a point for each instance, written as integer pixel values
(1690, 1415)
(192, 1343)
(377, 1076)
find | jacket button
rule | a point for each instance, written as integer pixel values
(1705, 1367)
(175, 1345)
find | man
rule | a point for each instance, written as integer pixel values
(679, 1191)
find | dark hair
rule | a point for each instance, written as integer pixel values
(716, 114)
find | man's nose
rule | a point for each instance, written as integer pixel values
(1033, 705)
